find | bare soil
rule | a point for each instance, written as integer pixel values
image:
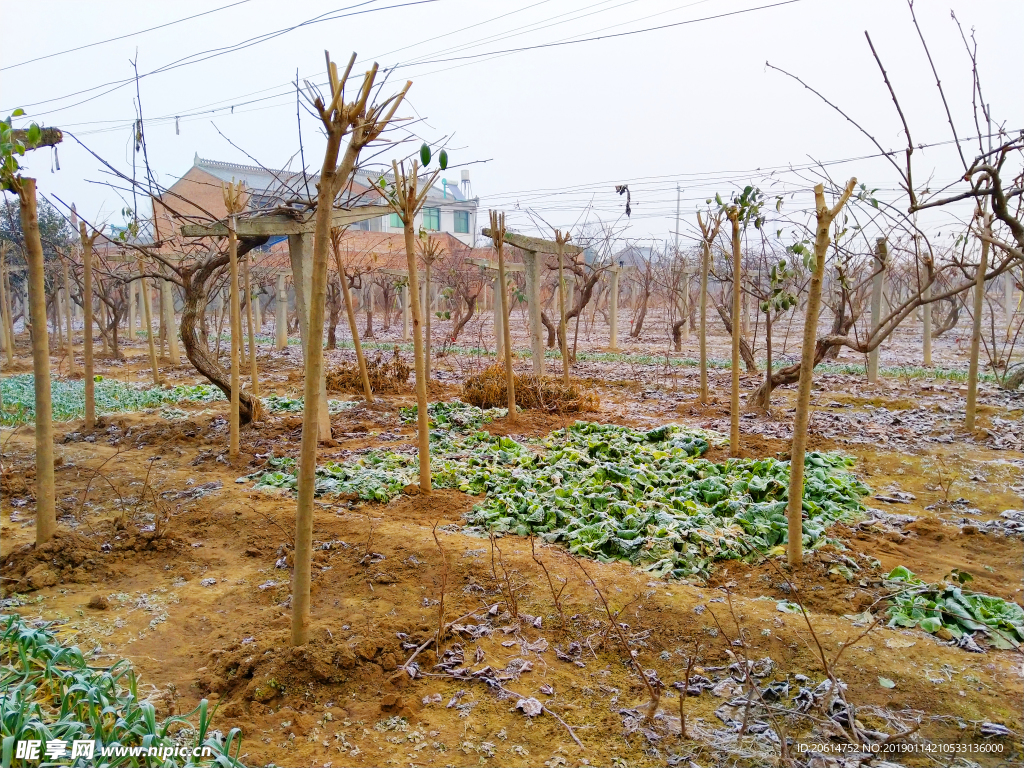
(163, 558)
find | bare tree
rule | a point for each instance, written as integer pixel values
(825, 216)
(363, 124)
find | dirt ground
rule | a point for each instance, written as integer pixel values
(163, 558)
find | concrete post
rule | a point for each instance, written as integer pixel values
(169, 319)
(281, 313)
(499, 308)
(686, 305)
(1008, 301)
(613, 309)
(132, 291)
(533, 310)
(926, 328)
(423, 304)
(161, 312)
(877, 289)
(101, 316)
(300, 249)
(257, 313)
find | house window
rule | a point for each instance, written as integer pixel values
(462, 222)
(432, 219)
(395, 222)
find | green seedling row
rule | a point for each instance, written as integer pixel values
(50, 691)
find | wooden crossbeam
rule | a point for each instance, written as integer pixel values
(278, 224)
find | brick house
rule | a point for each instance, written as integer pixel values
(449, 210)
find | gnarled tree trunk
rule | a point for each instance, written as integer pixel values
(677, 335)
(950, 321)
(195, 298)
(460, 322)
(745, 351)
(552, 330)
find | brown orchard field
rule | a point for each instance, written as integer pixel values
(200, 603)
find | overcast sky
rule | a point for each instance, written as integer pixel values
(559, 126)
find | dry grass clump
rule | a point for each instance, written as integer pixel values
(488, 389)
(386, 375)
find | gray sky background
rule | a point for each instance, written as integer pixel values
(691, 105)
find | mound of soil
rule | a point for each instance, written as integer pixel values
(67, 557)
(269, 669)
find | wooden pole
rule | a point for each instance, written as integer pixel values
(825, 216)
(67, 316)
(979, 307)
(737, 294)
(422, 417)
(251, 322)
(405, 312)
(338, 119)
(300, 249)
(58, 327)
(236, 332)
(281, 313)
(90, 376)
(46, 507)
(428, 258)
(705, 263)
(350, 313)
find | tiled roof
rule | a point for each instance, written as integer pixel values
(268, 182)
(378, 250)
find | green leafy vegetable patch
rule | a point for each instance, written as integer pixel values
(608, 492)
(951, 608)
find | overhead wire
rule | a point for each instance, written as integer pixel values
(285, 91)
(193, 58)
(282, 94)
(564, 194)
(122, 37)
